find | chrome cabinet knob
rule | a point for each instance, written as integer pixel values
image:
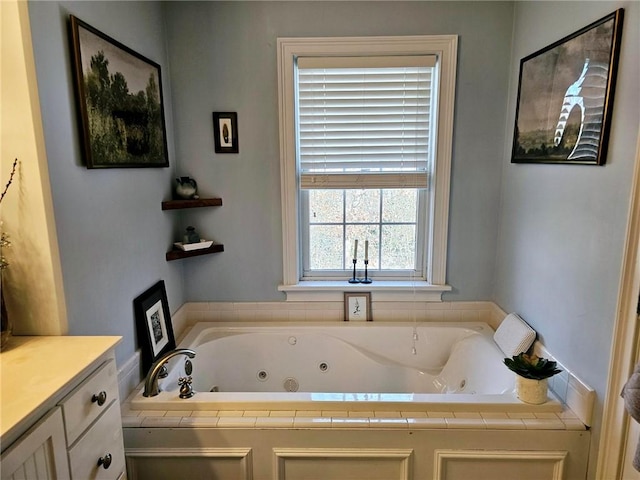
(100, 398)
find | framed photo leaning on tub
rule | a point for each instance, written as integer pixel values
(153, 321)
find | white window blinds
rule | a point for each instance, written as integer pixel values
(364, 122)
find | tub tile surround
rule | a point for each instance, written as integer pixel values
(576, 397)
(330, 419)
(419, 311)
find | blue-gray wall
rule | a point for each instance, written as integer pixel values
(545, 241)
(112, 233)
(562, 228)
(223, 58)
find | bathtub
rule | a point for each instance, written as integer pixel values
(373, 366)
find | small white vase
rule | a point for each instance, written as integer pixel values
(531, 391)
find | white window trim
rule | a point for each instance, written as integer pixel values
(445, 48)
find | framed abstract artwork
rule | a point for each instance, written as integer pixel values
(565, 97)
(119, 99)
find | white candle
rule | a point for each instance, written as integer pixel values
(366, 250)
(355, 249)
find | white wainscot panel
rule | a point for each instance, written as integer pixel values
(354, 464)
(189, 463)
(523, 465)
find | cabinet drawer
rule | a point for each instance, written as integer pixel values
(102, 439)
(82, 406)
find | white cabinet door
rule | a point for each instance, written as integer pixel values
(40, 453)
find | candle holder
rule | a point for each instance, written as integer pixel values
(354, 279)
(366, 278)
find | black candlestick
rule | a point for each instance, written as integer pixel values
(354, 279)
(366, 279)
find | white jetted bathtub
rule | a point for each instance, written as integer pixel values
(342, 366)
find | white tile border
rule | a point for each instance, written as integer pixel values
(565, 420)
(569, 389)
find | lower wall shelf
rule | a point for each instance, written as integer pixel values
(177, 254)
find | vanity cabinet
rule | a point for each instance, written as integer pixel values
(40, 453)
(176, 253)
(93, 426)
(75, 431)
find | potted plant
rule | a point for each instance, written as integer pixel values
(532, 376)
(5, 324)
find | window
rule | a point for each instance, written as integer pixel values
(366, 127)
(363, 132)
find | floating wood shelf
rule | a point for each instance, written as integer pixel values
(177, 254)
(200, 202)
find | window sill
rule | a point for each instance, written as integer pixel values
(381, 290)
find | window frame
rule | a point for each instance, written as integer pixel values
(444, 47)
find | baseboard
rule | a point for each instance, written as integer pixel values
(129, 376)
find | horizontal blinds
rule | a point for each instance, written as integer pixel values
(364, 122)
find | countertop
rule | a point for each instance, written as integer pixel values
(35, 370)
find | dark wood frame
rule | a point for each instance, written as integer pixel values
(137, 134)
(231, 120)
(547, 124)
(351, 316)
(150, 306)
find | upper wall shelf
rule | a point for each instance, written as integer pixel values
(200, 202)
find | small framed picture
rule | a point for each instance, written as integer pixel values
(153, 320)
(225, 132)
(357, 306)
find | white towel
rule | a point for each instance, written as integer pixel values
(514, 335)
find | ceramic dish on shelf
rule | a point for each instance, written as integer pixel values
(194, 246)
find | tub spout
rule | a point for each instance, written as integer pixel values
(151, 382)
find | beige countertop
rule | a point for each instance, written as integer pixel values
(34, 370)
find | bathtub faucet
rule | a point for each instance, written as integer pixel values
(151, 382)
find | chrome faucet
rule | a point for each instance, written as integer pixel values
(151, 382)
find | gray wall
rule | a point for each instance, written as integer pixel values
(112, 233)
(562, 228)
(223, 58)
(559, 230)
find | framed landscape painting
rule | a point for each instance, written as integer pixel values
(565, 97)
(119, 98)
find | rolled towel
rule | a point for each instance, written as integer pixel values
(514, 335)
(631, 395)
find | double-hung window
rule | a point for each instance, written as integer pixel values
(365, 129)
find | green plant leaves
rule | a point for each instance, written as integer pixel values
(531, 366)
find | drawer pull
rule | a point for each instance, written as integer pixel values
(105, 462)
(100, 398)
